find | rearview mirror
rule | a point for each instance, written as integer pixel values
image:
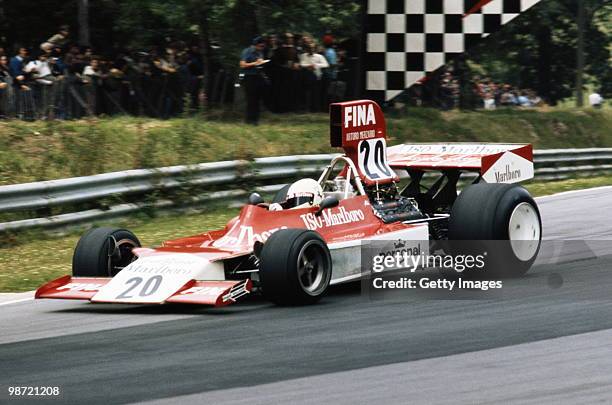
(328, 202)
(255, 199)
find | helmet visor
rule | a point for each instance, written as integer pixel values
(296, 201)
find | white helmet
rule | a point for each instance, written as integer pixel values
(303, 194)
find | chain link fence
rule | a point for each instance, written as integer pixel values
(74, 96)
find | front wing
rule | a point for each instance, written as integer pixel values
(215, 293)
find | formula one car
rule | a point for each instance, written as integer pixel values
(308, 237)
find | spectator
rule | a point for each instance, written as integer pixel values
(168, 83)
(449, 91)
(72, 54)
(58, 40)
(286, 61)
(6, 80)
(330, 74)
(5, 74)
(523, 100)
(16, 66)
(534, 99)
(596, 100)
(271, 46)
(251, 62)
(489, 100)
(56, 61)
(40, 70)
(313, 63)
(93, 69)
(196, 76)
(331, 56)
(508, 99)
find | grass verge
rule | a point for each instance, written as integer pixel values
(33, 259)
(43, 150)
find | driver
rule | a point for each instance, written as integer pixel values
(304, 193)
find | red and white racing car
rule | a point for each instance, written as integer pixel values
(309, 236)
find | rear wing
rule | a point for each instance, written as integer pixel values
(496, 163)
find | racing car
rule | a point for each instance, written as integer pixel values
(308, 236)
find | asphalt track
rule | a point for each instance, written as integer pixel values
(540, 344)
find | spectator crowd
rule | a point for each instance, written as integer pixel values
(59, 79)
(285, 73)
(62, 80)
(445, 90)
(293, 73)
(493, 95)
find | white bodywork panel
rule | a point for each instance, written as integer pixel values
(153, 279)
(346, 256)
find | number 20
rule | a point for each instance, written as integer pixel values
(149, 288)
(378, 161)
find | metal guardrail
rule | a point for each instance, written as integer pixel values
(226, 182)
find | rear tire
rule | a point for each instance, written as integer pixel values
(295, 267)
(97, 255)
(498, 212)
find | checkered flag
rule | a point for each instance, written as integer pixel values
(406, 39)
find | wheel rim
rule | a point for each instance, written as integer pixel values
(524, 231)
(312, 268)
(121, 256)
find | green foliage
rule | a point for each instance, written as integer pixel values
(538, 50)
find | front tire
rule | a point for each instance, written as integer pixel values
(295, 267)
(103, 252)
(499, 212)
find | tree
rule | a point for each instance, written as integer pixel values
(586, 11)
(84, 34)
(538, 50)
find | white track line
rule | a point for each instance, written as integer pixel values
(14, 298)
(16, 301)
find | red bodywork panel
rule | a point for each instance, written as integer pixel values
(352, 219)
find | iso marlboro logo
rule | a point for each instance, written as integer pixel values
(330, 218)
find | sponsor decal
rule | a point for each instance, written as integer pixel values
(508, 175)
(246, 235)
(80, 287)
(359, 115)
(175, 264)
(460, 149)
(330, 218)
(358, 136)
(209, 291)
(509, 168)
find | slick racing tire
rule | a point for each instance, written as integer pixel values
(501, 219)
(103, 252)
(295, 267)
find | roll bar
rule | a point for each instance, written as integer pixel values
(352, 170)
